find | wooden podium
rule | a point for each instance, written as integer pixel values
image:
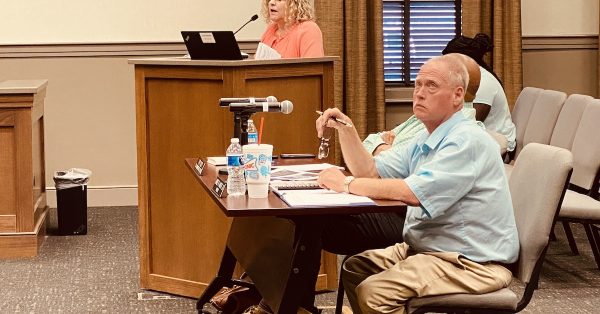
(182, 232)
(23, 207)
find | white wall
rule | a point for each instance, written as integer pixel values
(116, 21)
(90, 107)
(559, 17)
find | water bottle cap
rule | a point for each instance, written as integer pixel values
(235, 140)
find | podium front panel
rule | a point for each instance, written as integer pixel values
(182, 232)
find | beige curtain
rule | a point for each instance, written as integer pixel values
(501, 20)
(352, 30)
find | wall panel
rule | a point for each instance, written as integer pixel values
(568, 64)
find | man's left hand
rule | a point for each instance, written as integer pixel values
(332, 179)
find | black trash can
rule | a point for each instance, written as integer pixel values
(71, 201)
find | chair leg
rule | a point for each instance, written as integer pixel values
(570, 238)
(594, 242)
(596, 233)
(552, 235)
(340, 292)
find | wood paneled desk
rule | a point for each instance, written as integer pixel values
(181, 231)
(23, 207)
(309, 222)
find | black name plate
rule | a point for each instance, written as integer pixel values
(200, 166)
(220, 188)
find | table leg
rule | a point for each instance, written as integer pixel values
(223, 278)
(300, 286)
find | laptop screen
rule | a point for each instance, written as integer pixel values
(211, 45)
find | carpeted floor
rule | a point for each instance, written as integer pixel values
(98, 273)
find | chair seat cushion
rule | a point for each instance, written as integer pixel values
(502, 299)
(580, 206)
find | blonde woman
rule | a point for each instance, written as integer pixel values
(291, 29)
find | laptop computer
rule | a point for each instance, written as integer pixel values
(211, 45)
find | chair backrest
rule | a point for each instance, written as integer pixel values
(537, 186)
(543, 118)
(522, 111)
(586, 149)
(568, 120)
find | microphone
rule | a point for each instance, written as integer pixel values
(225, 102)
(252, 19)
(284, 107)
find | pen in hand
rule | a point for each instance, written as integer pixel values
(336, 119)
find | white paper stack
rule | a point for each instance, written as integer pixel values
(264, 52)
(322, 198)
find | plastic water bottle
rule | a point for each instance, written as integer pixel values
(236, 184)
(252, 133)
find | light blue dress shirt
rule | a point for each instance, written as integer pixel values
(458, 177)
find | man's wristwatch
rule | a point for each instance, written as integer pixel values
(347, 181)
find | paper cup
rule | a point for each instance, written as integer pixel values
(257, 166)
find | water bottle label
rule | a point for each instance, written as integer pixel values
(234, 160)
(252, 138)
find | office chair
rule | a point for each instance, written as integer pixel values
(537, 186)
(563, 136)
(539, 127)
(581, 203)
(522, 111)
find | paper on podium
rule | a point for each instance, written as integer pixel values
(264, 52)
(322, 198)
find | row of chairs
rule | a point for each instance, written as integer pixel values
(550, 117)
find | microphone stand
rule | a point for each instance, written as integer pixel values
(240, 126)
(241, 27)
(252, 19)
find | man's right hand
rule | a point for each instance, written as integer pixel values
(327, 119)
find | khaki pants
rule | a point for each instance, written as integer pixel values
(381, 281)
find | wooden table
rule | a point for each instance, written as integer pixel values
(309, 222)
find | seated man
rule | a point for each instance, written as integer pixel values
(489, 100)
(347, 235)
(459, 228)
